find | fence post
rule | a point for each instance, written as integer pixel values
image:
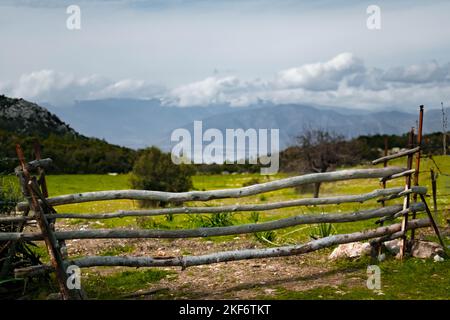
(385, 165)
(49, 237)
(41, 180)
(418, 154)
(43, 194)
(406, 199)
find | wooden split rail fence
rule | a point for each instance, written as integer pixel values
(40, 208)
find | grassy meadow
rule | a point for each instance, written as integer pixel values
(65, 184)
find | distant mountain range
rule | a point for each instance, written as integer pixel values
(141, 123)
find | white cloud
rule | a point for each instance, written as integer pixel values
(342, 81)
(321, 75)
(429, 72)
(211, 90)
(64, 88)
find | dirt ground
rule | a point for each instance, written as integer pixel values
(248, 279)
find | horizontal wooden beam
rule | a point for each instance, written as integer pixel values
(214, 231)
(360, 198)
(413, 189)
(41, 163)
(235, 255)
(398, 175)
(396, 155)
(220, 194)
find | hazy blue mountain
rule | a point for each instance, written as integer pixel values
(130, 122)
(292, 120)
(140, 123)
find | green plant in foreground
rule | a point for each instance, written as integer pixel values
(254, 217)
(322, 230)
(266, 237)
(223, 219)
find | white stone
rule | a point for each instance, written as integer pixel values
(381, 257)
(425, 249)
(350, 250)
(393, 246)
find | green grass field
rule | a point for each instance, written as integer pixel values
(396, 284)
(65, 184)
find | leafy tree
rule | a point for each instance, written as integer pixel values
(154, 170)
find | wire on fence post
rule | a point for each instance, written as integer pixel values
(434, 192)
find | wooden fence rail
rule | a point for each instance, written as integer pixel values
(392, 193)
(220, 194)
(217, 231)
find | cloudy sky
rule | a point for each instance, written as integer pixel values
(194, 52)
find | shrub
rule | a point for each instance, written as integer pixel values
(266, 237)
(322, 230)
(9, 195)
(214, 220)
(254, 217)
(251, 182)
(154, 170)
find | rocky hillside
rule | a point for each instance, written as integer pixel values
(24, 123)
(24, 117)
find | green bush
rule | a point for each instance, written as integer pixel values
(266, 237)
(322, 230)
(251, 182)
(154, 170)
(9, 195)
(223, 219)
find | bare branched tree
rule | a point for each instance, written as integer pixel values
(320, 151)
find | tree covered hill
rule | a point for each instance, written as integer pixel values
(24, 123)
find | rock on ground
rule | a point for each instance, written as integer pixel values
(426, 249)
(419, 249)
(350, 250)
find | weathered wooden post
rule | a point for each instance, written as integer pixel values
(406, 199)
(385, 162)
(43, 194)
(418, 155)
(41, 180)
(29, 189)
